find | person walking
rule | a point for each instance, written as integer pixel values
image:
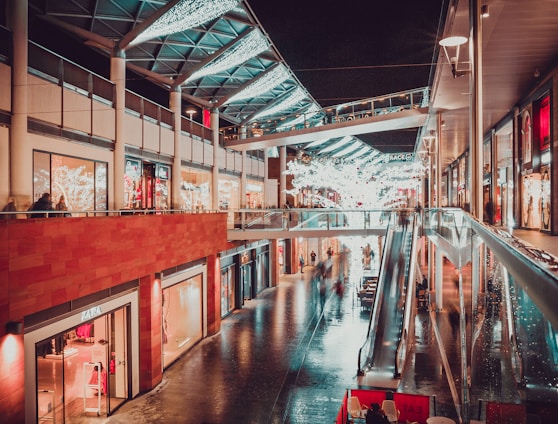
(43, 205)
(61, 206)
(301, 263)
(313, 257)
(10, 207)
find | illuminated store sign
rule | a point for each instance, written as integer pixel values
(400, 157)
(91, 313)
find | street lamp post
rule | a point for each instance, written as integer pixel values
(191, 112)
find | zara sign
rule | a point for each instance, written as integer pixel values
(91, 313)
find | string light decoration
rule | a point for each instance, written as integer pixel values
(185, 15)
(248, 47)
(291, 99)
(366, 184)
(270, 80)
(303, 117)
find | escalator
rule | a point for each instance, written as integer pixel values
(382, 355)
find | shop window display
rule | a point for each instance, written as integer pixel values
(227, 290)
(82, 371)
(82, 182)
(229, 193)
(195, 190)
(531, 201)
(182, 318)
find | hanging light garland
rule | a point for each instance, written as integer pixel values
(270, 80)
(291, 99)
(248, 47)
(185, 15)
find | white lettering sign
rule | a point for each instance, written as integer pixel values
(404, 157)
(91, 313)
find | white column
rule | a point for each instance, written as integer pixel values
(282, 176)
(439, 279)
(118, 77)
(216, 148)
(21, 153)
(438, 161)
(475, 109)
(266, 179)
(243, 179)
(175, 103)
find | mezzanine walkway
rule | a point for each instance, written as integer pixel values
(395, 111)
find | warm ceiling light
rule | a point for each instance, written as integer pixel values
(484, 11)
(451, 47)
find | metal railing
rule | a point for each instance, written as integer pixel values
(366, 108)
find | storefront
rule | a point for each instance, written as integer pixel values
(82, 182)
(536, 165)
(254, 194)
(263, 271)
(83, 363)
(183, 317)
(229, 192)
(228, 285)
(146, 185)
(195, 189)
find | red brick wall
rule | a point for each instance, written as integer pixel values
(46, 262)
(50, 261)
(150, 348)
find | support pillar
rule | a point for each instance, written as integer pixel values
(243, 180)
(21, 152)
(150, 332)
(475, 110)
(215, 170)
(439, 278)
(118, 77)
(176, 107)
(282, 176)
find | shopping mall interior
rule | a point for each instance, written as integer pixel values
(194, 232)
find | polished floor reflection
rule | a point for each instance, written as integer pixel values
(285, 358)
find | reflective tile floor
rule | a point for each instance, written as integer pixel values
(285, 358)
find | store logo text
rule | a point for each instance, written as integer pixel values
(91, 313)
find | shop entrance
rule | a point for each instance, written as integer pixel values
(83, 371)
(246, 276)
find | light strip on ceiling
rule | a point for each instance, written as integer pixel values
(291, 99)
(263, 85)
(316, 143)
(304, 116)
(185, 15)
(248, 47)
(337, 145)
(360, 152)
(348, 150)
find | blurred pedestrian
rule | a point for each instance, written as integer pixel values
(61, 206)
(339, 288)
(376, 415)
(313, 257)
(43, 205)
(10, 207)
(454, 318)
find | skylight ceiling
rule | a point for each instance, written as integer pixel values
(219, 56)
